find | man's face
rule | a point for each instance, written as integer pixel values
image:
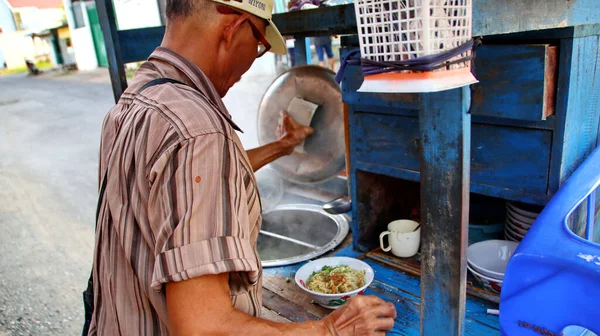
(244, 48)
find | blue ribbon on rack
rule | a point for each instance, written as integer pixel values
(424, 63)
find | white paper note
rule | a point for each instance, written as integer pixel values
(302, 111)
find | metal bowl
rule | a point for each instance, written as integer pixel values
(298, 232)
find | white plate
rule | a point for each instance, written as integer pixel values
(515, 235)
(515, 227)
(515, 209)
(520, 218)
(509, 236)
(515, 222)
(483, 277)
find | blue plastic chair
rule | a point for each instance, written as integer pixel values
(553, 279)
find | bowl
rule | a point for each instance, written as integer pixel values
(488, 283)
(490, 257)
(333, 301)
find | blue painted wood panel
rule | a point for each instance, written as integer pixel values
(322, 21)
(547, 124)
(502, 157)
(578, 105)
(138, 44)
(388, 140)
(408, 289)
(505, 72)
(512, 81)
(508, 194)
(444, 137)
(491, 17)
(513, 158)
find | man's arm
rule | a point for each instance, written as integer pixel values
(289, 133)
(202, 306)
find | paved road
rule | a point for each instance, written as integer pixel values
(49, 135)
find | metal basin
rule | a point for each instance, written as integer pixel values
(298, 232)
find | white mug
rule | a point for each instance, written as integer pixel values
(404, 241)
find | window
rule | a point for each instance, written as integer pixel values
(78, 14)
(18, 21)
(582, 218)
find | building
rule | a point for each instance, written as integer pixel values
(88, 41)
(59, 39)
(35, 15)
(19, 21)
(7, 26)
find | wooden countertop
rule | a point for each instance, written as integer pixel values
(284, 301)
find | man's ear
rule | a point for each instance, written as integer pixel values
(232, 24)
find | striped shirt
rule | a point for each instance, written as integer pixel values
(181, 200)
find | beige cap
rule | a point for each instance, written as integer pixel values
(264, 10)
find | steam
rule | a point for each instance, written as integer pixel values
(306, 226)
(270, 187)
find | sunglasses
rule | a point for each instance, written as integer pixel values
(263, 45)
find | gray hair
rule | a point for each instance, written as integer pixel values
(184, 8)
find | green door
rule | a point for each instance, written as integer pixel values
(97, 35)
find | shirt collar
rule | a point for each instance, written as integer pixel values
(196, 77)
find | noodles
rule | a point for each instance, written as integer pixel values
(336, 280)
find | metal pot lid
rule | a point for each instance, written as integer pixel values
(324, 156)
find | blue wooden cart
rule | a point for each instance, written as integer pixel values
(517, 135)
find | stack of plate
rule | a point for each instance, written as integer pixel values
(519, 218)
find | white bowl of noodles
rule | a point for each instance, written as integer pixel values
(331, 282)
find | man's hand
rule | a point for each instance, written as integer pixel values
(290, 133)
(362, 315)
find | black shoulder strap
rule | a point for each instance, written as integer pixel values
(159, 81)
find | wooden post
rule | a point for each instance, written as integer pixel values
(301, 50)
(445, 139)
(106, 14)
(347, 141)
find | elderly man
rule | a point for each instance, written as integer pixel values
(180, 213)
